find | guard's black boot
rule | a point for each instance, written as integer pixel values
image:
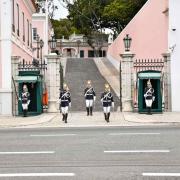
(105, 116)
(63, 117)
(108, 115)
(149, 111)
(87, 111)
(25, 113)
(91, 109)
(66, 116)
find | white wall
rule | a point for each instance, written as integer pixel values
(5, 90)
(174, 45)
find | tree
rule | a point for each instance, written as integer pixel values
(119, 13)
(63, 28)
(94, 15)
(51, 7)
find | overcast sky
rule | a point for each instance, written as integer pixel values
(61, 12)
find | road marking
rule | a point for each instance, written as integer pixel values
(28, 152)
(162, 174)
(139, 151)
(51, 135)
(123, 134)
(37, 175)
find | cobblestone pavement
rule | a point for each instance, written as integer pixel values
(78, 71)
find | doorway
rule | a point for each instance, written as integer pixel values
(157, 104)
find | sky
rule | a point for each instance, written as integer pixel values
(61, 12)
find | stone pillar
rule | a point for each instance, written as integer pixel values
(167, 82)
(53, 82)
(15, 61)
(5, 57)
(127, 81)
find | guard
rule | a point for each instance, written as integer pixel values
(25, 100)
(90, 98)
(149, 96)
(107, 102)
(65, 102)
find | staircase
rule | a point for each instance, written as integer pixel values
(78, 71)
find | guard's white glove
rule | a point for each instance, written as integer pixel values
(70, 104)
(19, 99)
(94, 98)
(145, 95)
(113, 104)
(28, 102)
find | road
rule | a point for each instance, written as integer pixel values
(131, 153)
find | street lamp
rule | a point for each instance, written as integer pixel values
(41, 42)
(78, 43)
(53, 43)
(127, 42)
(38, 44)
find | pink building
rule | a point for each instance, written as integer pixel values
(15, 43)
(149, 33)
(39, 30)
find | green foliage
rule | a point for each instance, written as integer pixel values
(63, 27)
(93, 15)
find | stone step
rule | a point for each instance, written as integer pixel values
(78, 71)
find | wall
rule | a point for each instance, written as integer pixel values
(39, 22)
(174, 45)
(21, 47)
(148, 30)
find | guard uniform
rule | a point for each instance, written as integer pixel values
(107, 102)
(25, 100)
(149, 96)
(90, 98)
(65, 102)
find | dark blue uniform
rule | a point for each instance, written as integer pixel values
(107, 99)
(65, 98)
(89, 93)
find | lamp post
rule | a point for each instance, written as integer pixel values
(53, 44)
(38, 44)
(41, 42)
(127, 42)
(78, 43)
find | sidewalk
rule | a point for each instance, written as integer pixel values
(80, 119)
(25, 121)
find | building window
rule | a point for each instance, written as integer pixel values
(18, 19)
(28, 31)
(13, 20)
(91, 53)
(34, 33)
(23, 27)
(30, 35)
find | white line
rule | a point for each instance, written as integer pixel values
(123, 134)
(139, 151)
(51, 135)
(26, 152)
(162, 174)
(37, 174)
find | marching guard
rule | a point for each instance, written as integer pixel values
(149, 96)
(90, 97)
(65, 102)
(107, 102)
(25, 100)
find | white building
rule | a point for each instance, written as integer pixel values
(174, 47)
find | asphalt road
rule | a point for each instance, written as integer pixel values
(140, 153)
